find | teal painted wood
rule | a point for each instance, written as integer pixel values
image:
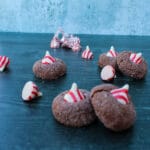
(32, 126)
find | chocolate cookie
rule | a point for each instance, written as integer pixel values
(74, 114)
(134, 67)
(108, 58)
(115, 114)
(45, 69)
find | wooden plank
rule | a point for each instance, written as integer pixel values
(32, 126)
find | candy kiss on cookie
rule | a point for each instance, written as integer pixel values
(111, 52)
(74, 94)
(48, 59)
(136, 58)
(121, 94)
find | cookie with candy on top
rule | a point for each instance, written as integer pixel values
(108, 58)
(30, 91)
(132, 64)
(4, 62)
(73, 107)
(113, 106)
(87, 53)
(49, 68)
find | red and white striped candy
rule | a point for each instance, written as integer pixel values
(107, 73)
(121, 94)
(76, 48)
(30, 91)
(55, 43)
(4, 62)
(136, 58)
(75, 43)
(74, 94)
(87, 54)
(48, 59)
(111, 52)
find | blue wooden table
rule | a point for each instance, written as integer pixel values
(31, 126)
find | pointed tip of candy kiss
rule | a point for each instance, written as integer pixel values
(112, 47)
(126, 86)
(87, 47)
(74, 86)
(47, 53)
(40, 93)
(139, 54)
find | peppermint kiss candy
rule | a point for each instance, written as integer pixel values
(74, 94)
(4, 62)
(121, 94)
(48, 59)
(75, 43)
(107, 73)
(55, 42)
(72, 42)
(76, 47)
(87, 54)
(30, 91)
(111, 52)
(136, 58)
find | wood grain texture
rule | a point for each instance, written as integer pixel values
(32, 126)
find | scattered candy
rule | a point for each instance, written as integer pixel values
(121, 94)
(111, 52)
(71, 42)
(87, 54)
(136, 58)
(4, 62)
(56, 42)
(67, 41)
(48, 59)
(107, 73)
(74, 94)
(30, 91)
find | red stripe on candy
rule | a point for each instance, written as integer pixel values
(51, 58)
(119, 90)
(80, 95)
(111, 53)
(72, 95)
(35, 87)
(3, 61)
(34, 93)
(138, 60)
(122, 97)
(134, 55)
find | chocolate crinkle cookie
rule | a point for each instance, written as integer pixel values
(113, 106)
(108, 58)
(49, 68)
(73, 108)
(132, 64)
